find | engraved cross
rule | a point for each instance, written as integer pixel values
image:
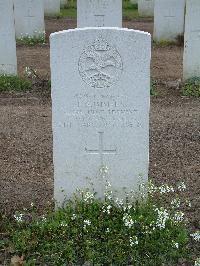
(101, 151)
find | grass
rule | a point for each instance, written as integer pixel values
(111, 231)
(129, 10)
(192, 87)
(14, 83)
(153, 91)
(163, 43)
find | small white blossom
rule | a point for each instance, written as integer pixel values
(163, 216)
(107, 230)
(176, 203)
(119, 202)
(128, 221)
(43, 218)
(106, 209)
(178, 217)
(18, 217)
(176, 245)
(133, 241)
(152, 188)
(165, 189)
(88, 196)
(196, 236)
(87, 222)
(73, 217)
(181, 186)
(197, 262)
(63, 224)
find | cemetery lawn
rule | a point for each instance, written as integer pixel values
(26, 168)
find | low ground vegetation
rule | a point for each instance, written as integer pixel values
(191, 87)
(140, 230)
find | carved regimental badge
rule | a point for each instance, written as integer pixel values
(100, 65)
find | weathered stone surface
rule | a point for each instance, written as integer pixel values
(8, 59)
(168, 19)
(99, 13)
(29, 18)
(100, 96)
(146, 8)
(51, 7)
(191, 58)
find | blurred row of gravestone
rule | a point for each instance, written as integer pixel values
(169, 21)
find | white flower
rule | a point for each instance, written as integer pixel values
(165, 189)
(181, 186)
(87, 222)
(119, 202)
(176, 245)
(152, 188)
(107, 209)
(197, 262)
(28, 72)
(18, 217)
(176, 203)
(133, 241)
(128, 221)
(178, 217)
(196, 236)
(73, 217)
(88, 196)
(63, 224)
(163, 216)
(107, 230)
(43, 218)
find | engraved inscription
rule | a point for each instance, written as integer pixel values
(101, 151)
(101, 111)
(99, 20)
(100, 64)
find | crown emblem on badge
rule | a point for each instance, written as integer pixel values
(101, 45)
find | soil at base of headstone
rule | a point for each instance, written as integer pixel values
(26, 168)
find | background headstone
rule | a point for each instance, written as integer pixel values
(168, 19)
(99, 13)
(134, 1)
(63, 3)
(29, 18)
(191, 58)
(100, 99)
(8, 59)
(146, 8)
(51, 7)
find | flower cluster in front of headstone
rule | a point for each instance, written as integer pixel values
(113, 230)
(37, 38)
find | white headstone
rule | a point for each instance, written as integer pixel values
(29, 18)
(100, 93)
(99, 13)
(191, 58)
(51, 7)
(8, 59)
(168, 19)
(146, 8)
(63, 3)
